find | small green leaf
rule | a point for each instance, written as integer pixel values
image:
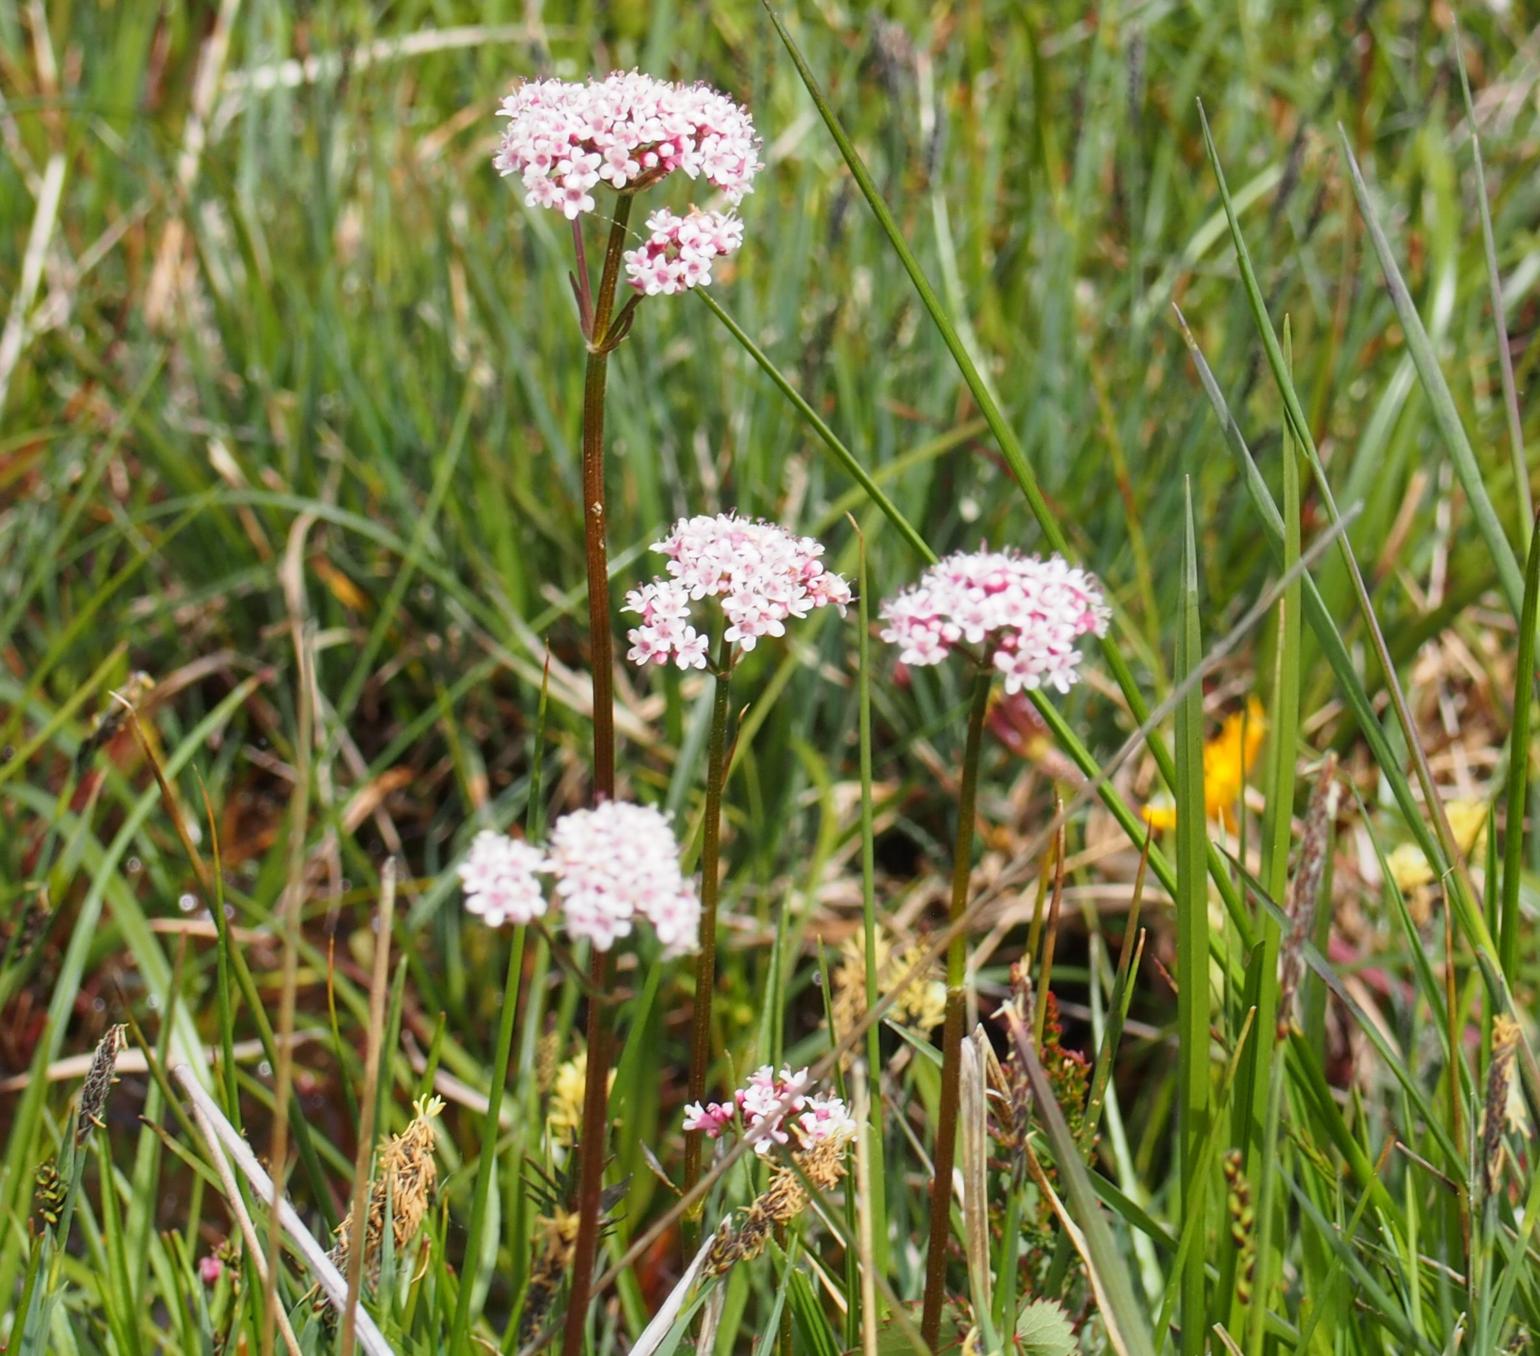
(1043, 1329)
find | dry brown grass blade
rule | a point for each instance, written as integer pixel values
(973, 1154)
(164, 286)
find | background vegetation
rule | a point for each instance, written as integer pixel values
(290, 386)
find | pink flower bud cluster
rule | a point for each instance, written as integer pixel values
(627, 130)
(767, 1104)
(612, 865)
(762, 573)
(1026, 612)
(680, 251)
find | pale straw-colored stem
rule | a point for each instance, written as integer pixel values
(243, 1220)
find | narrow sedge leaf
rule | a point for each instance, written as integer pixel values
(1440, 399)
(1192, 941)
(1518, 765)
(1261, 1097)
(1495, 290)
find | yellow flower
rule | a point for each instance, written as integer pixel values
(1411, 870)
(566, 1113)
(565, 1116)
(1228, 759)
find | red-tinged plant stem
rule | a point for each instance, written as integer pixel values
(952, 1029)
(600, 652)
(591, 1144)
(706, 957)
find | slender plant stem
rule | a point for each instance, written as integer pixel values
(952, 1029)
(877, 1208)
(706, 957)
(596, 554)
(591, 1145)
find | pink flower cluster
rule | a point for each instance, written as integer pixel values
(762, 573)
(627, 130)
(612, 864)
(499, 879)
(618, 861)
(680, 251)
(1027, 613)
(764, 1105)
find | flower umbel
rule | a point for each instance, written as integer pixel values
(1026, 612)
(680, 251)
(612, 864)
(921, 1002)
(627, 130)
(619, 861)
(770, 1102)
(500, 881)
(564, 1119)
(762, 573)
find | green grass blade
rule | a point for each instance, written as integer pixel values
(1495, 292)
(1518, 766)
(1192, 949)
(1440, 399)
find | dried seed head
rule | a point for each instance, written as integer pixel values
(110, 720)
(1505, 1044)
(921, 1002)
(780, 1203)
(1242, 1222)
(99, 1080)
(403, 1186)
(1313, 851)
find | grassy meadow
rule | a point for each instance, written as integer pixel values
(1232, 304)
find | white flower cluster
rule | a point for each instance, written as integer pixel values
(762, 573)
(680, 250)
(1026, 611)
(627, 130)
(612, 864)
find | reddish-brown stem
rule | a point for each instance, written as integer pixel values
(706, 957)
(952, 1028)
(592, 1143)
